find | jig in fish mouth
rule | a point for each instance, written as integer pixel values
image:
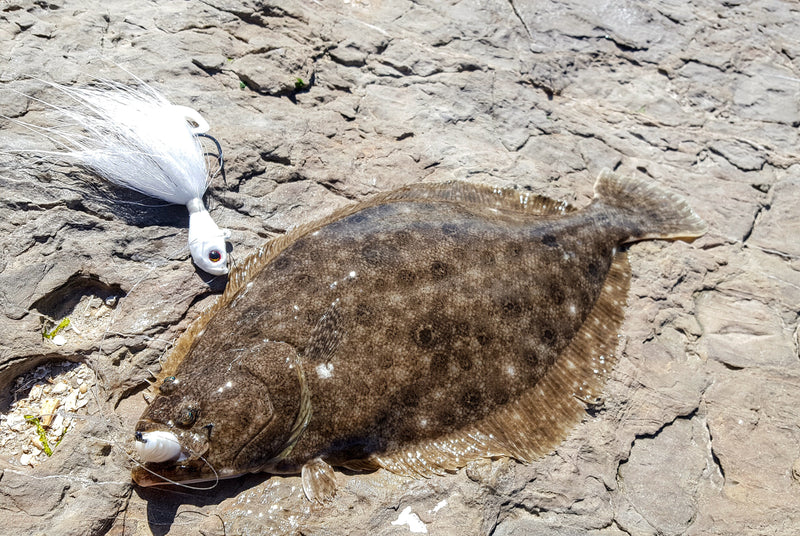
(158, 447)
(164, 461)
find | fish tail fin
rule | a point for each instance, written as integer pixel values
(652, 211)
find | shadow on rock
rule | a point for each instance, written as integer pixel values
(170, 507)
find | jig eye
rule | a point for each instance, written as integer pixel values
(186, 417)
(214, 255)
(169, 385)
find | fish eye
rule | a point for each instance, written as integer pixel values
(214, 255)
(186, 417)
(169, 385)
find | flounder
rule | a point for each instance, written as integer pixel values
(416, 331)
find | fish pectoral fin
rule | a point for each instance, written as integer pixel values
(319, 480)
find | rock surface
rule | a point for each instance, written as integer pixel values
(318, 104)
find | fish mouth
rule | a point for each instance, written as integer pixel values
(165, 461)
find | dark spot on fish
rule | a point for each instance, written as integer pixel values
(406, 277)
(531, 356)
(548, 336)
(371, 253)
(364, 312)
(449, 229)
(358, 217)
(514, 250)
(483, 338)
(549, 240)
(380, 283)
(511, 306)
(501, 394)
(439, 269)
(594, 270)
(556, 294)
(402, 238)
(463, 360)
(281, 262)
(462, 329)
(424, 336)
(471, 400)
(448, 418)
(411, 395)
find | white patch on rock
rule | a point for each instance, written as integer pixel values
(415, 524)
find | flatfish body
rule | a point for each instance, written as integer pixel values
(415, 332)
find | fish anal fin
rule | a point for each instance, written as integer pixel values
(537, 422)
(319, 480)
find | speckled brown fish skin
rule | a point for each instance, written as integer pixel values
(401, 322)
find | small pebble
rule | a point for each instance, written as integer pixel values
(59, 388)
(59, 340)
(48, 410)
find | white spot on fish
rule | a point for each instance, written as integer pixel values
(352, 274)
(572, 309)
(511, 371)
(411, 519)
(324, 370)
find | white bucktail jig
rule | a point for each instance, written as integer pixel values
(134, 137)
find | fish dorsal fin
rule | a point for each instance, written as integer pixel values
(541, 418)
(463, 193)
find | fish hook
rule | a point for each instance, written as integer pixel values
(217, 155)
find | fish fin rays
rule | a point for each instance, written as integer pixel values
(480, 196)
(533, 425)
(319, 480)
(653, 212)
